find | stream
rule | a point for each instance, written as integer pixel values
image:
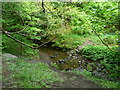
(71, 61)
(52, 55)
(67, 61)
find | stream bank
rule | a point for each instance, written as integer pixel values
(72, 60)
(70, 80)
(64, 63)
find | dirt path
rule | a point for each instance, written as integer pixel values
(71, 80)
(74, 81)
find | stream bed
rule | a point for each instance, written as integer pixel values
(72, 61)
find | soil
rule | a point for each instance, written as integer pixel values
(71, 80)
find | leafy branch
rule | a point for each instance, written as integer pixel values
(8, 35)
(91, 26)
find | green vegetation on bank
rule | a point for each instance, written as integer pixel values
(71, 41)
(30, 75)
(73, 24)
(103, 82)
(106, 57)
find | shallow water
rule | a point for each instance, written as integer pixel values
(49, 54)
(52, 55)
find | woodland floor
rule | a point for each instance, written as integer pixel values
(70, 80)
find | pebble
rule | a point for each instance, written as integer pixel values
(79, 61)
(52, 56)
(68, 58)
(70, 55)
(61, 61)
(56, 53)
(74, 57)
(76, 50)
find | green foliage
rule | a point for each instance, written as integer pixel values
(104, 83)
(106, 57)
(110, 39)
(107, 16)
(68, 41)
(67, 18)
(70, 22)
(13, 47)
(33, 75)
(99, 53)
(24, 13)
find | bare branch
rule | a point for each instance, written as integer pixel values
(43, 6)
(99, 36)
(20, 30)
(7, 34)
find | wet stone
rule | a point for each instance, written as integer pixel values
(61, 61)
(56, 53)
(52, 56)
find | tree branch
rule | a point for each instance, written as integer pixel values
(20, 30)
(43, 6)
(100, 37)
(8, 35)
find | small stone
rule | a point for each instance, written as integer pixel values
(74, 57)
(61, 61)
(79, 61)
(52, 56)
(98, 64)
(56, 53)
(76, 50)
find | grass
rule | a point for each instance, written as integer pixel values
(15, 48)
(28, 75)
(0, 72)
(102, 82)
(71, 41)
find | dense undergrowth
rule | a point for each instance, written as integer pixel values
(98, 80)
(29, 75)
(106, 57)
(11, 46)
(72, 41)
(73, 24)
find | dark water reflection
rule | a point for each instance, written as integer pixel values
(49, 54)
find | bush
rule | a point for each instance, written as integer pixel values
(100, 53)
(105, 56)
(29, 75)
(68, 41)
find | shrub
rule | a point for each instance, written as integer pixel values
(105, 56)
